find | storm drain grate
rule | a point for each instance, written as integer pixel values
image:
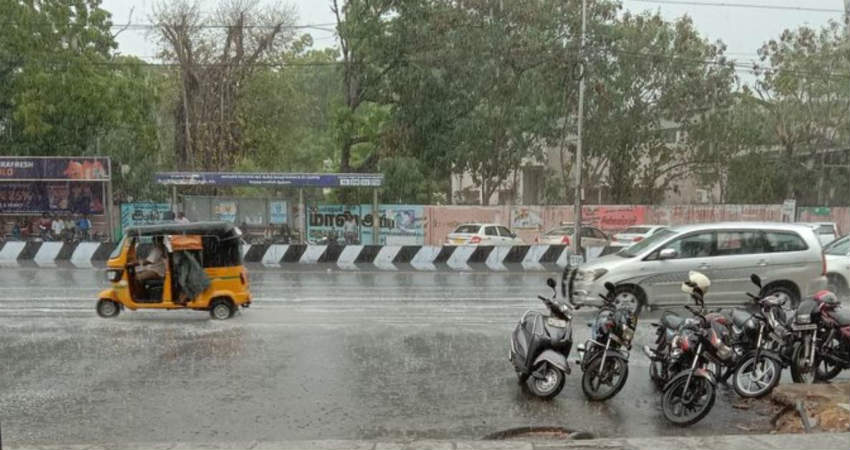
(538, 433)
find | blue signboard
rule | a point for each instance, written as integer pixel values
(297, 180)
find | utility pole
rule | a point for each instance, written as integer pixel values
(579, 190)
(847, 26)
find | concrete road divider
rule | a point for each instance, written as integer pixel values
(342, 257)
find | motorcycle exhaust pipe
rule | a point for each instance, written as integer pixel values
(650, 353)
(580, 350)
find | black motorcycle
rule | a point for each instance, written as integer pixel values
(764, 342)
(664, 360)
(539, 347)
(604, 358)
(699, 344)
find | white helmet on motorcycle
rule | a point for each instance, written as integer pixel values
(696, 281)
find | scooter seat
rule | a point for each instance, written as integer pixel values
(671, 320)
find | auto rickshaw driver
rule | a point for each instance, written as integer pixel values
(153, 266)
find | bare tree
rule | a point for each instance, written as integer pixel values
(214, 54)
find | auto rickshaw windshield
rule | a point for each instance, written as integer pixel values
(116, 252)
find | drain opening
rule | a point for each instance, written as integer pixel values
(538, 433)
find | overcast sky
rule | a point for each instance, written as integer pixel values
(743, 29)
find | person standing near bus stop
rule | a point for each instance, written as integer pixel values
(349, 229)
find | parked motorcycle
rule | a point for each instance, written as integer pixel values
(604, 358)
(822, 347)
(699, 343)
(540, 345)
(764, 341)
(665, 360)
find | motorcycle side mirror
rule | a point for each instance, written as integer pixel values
(756, 280)
(610, 286)
(550, 282)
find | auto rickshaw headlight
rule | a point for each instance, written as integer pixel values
(113, 275)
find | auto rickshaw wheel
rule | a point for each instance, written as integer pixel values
(221, 309)
(107, 308)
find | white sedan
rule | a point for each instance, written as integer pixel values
(482, 234)
(636, 233)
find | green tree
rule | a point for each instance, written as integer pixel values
(650, 81)
(64, 92)
(287, 114)
(802, 82)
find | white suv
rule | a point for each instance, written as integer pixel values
(787, 257)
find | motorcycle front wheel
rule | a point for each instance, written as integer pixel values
(546, 381)
(755, 379)
(601, 383)
(687, 407)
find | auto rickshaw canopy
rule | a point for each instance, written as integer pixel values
(221, 230)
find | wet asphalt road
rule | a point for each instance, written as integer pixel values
(319, 356)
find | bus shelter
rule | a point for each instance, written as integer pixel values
(299, 181)
(59, 186)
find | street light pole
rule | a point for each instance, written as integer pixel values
(577, 240)
(847, 17)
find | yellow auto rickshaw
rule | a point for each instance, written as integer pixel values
(195, 266)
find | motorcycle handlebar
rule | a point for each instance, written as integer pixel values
(693, 310)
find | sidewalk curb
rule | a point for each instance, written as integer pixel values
(819, 441)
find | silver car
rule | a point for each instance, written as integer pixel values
(787, 257)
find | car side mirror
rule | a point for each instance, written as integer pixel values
(756, 280)
(668, 253)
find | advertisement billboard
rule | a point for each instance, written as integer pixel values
(399, 224)
(74, 169)
(53, 197)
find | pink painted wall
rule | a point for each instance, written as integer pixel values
(530, 221)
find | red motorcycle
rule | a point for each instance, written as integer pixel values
(822, 349)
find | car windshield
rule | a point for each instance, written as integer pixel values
(469, 229)
(838, 247)
(636, 230)
(825, 229)
(649, 242)
(560, 231)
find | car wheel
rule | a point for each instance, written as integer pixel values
(784, 293)
(630, 297)
(221, 309)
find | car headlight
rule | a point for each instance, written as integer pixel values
(113, 275)
(590, 275)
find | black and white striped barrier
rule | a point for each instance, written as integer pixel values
(344, 257)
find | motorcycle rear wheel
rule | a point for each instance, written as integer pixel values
(687, 408)
(828, 370)
(801, 370)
